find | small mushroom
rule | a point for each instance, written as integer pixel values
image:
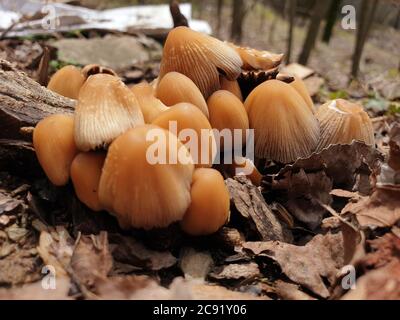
(231, 86)
(53, 140)
(301, 88)
(85, 175)
(176, 88)
(342, 122)
(246, 167)
(257, 60)
(209, 209)
(201, 143)
(201, 58)
(228, 112)
(285, 128)
(141, 191)
(67, 82)
(151, 106)
(106, 108)
(92, 69)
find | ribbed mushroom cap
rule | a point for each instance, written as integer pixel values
(301, 88)
(228, 112)
(67, 82)
(201, 58)
(140, 192)
(209, 209)
(106, 108)
(285, 128)
(176, 88)
(231, 86)
(244, 166)
(151, 106)
(53, 140)
(342, 122)
(85, 175)
(187, 116)
(254, 59)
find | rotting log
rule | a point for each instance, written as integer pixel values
(23, 103)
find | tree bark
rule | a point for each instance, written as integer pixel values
(367, 14)
(292, 15)
(331, 20)
(319, 10)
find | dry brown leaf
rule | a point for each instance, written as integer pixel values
(249, 202)
(8, 203)
(236, 272)
(129, 251)
(379, 284)
(91, 261)
(290, 291)
(35, 291)
(307, 265)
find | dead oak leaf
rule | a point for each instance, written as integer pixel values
(236, 272)
(308, 265)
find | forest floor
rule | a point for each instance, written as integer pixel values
(335, 214)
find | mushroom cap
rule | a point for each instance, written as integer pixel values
(301, 88)
(85, 175)
(53, 140)
(140, 192)
(176, 88)
(187, 116)
(254, 59)
(151, 106)
(201, 58)
(67, 82)
(106, 108)
(209, 209)
(342, 122)
(231, 86)
(92, 69)
(244, 166)
(228, 112)
(285, 128)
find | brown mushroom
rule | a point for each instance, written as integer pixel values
(67, 82)
(209, 209)
(228, 112)
(106, 108)
(200, 140)
(151, 106)
(342, 122)
(140, 189)
(92, 69)
(85, 175)
(301, 88)
(285, 128)
(231, 86)
(201, 58)
(176, 88)
(243, 166)
(53, 140)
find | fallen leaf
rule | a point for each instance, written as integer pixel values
(249, 202)
(308, 265)
(378, 284)
(129, 251)
(290, 291)
(384, 250)
(236, 271)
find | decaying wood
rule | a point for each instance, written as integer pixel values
(24, 102)
(249, 202)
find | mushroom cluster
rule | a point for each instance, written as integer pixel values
(107, 147)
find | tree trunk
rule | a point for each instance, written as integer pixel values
(238, 14)
(367, 14)
(319, 10)
(331, 20)
(220, 6)
(292, 15)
